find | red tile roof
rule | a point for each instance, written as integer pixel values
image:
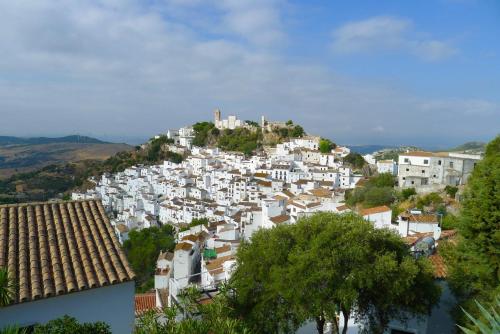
(377, 209)
(145, 302)
(51, 249)
(440, 269)
(280, 219)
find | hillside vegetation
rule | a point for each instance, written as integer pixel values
(244, 140)
(470, 147)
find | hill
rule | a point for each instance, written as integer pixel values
(8, 140)
(470, 147)
(28, 154)
(368, 149)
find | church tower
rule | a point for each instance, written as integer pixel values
(217, 118)
(217, 115)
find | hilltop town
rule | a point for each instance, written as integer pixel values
(175, 223)
(216, 199)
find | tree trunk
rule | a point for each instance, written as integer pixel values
(320, 324)
(345, 313)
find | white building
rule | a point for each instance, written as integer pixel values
(387, 166)
(420, 169)
(380, 216)
(232, 122)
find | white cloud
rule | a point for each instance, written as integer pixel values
(117, 68)
(385, 33)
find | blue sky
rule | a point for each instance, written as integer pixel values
(360, 72)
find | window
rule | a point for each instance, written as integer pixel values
(426, 162)
(404, 178)
(407, 169)
(451, 164)
(407, 160)
(423, 171)
(412, 182)
(434, 175)
(439, 162)
(398, 331)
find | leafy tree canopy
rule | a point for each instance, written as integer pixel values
(328, 264)
(142, 249)
(354, 159)
(474, 265)
(325, 145)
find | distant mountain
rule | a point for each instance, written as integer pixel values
(27, 154)
(472, 147)
(8, 140)
(368, 149)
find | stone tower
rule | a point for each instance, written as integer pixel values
(217, 115)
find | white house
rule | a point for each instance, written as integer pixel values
(380, 216)
(419, 169)
(410, 223)
(387, 166)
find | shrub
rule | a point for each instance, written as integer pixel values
(451, 191)
(408, 192)
(69, 324)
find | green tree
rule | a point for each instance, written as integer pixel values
(474, 264)
(451, 191)
(382, 180)
(142, 249)
(201, 133)
(297, 132)
(7, 287)
(325, 265)
(354, 159)
(325, 145)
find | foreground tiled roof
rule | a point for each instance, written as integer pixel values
(52, 249)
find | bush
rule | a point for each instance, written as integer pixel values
(449, 222)
(69, 324)
(201, 131)
(408, 192)
(451, 191)
(382, 180)
(433, 199)
(325, 145)
(375, 196)
(355, 160)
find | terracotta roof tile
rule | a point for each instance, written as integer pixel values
(377, 209)
(145, 302)
(280, 219)
(223, 249)
(56, 248)
(185, 246)
(440, 270)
